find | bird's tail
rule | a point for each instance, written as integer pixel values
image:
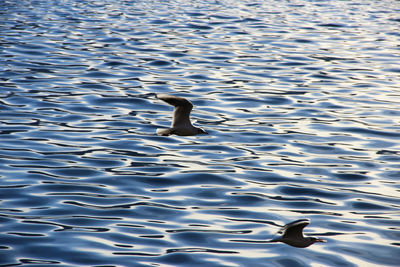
(165, 132)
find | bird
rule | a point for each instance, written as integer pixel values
(293, 235)
(181, 124)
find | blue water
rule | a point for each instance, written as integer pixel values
(301, 100)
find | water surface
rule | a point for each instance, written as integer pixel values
(301, 100)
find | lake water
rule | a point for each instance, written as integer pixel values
(301, 100)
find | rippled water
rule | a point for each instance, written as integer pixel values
(301, 100)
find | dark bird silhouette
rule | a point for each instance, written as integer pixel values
(293, 235)
(181, 124)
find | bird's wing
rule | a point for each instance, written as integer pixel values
(176, 101)
(295, 229)
(183, 107)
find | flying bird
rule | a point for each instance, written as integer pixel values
(181, 124)
(293, 235)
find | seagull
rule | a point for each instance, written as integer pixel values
(293, 235)
(181, 124)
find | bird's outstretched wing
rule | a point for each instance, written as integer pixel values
(182, 110)
(176, 101)
(294, 230)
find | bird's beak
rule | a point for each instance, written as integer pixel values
(320, 240)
